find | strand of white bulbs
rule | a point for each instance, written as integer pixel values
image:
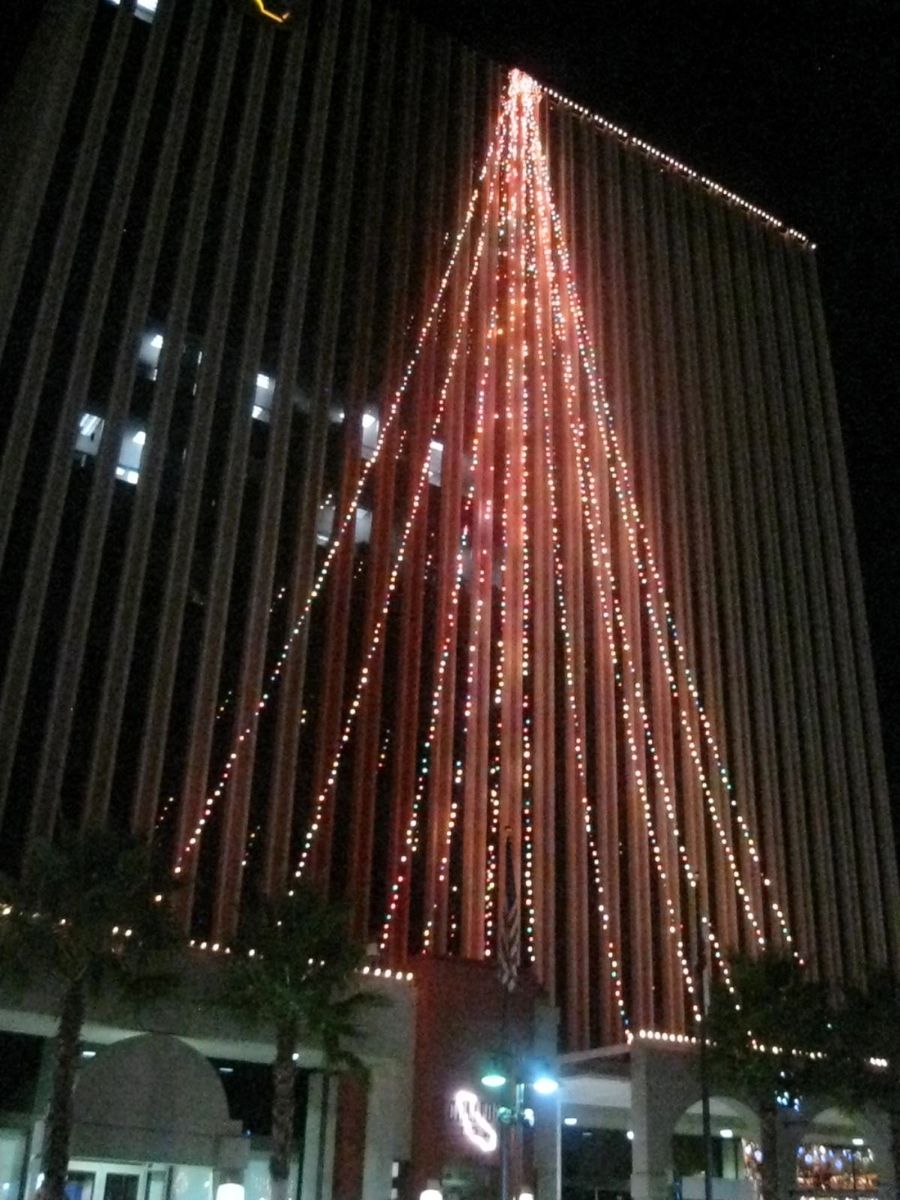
(674, 164)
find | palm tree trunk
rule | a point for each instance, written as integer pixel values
(283, 1104)
(58, 1135)
(768, 1136)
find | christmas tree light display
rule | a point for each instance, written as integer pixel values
(523, 610)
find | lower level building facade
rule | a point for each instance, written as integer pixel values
(176, 1107)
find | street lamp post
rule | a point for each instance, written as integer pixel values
(515, 1116)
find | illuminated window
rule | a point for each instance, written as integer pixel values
(144, 10)
(90, 431)
(148, 352)
(262, 398)
(362, 532)
(130, 454)
(370, 426)
(435, 460)
(90, 434)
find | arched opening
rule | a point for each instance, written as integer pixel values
(842, 1154)
(734, 1133)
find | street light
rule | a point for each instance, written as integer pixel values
(494, 1075)
(518, 1114)
(230, 1191)
(544, 1083)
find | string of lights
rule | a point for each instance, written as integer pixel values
(411, 838)
(540, 249)
(670, 163)
(604, 579)
(393, 578)
(347, 521)
(651, 581)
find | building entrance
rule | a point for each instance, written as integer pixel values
(108, 1181)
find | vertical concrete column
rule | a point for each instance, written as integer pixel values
(790, 1135)
(547, 1116)
(547, 1148)
(662, 1087)
(874, 1125)
(651, 1148)
(386, 1113)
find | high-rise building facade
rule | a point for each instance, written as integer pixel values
(401, 463)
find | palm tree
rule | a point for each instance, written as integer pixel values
(88, 915)
(295, 972)
(868, 1028)
(770, 1038)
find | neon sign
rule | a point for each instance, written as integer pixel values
(476, 1128)
(279, 13)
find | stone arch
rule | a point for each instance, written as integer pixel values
(665, 1086)
(726, 1110)
(822, 1115)
(664, 1083)
(154, 1098)
(732, 1121)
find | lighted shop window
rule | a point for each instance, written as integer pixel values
(144, 10)
(257, 1185)
(12, 1162)
(192, 1182)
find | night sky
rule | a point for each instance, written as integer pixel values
(795, 106)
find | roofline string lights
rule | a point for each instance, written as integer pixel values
(670, 163)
